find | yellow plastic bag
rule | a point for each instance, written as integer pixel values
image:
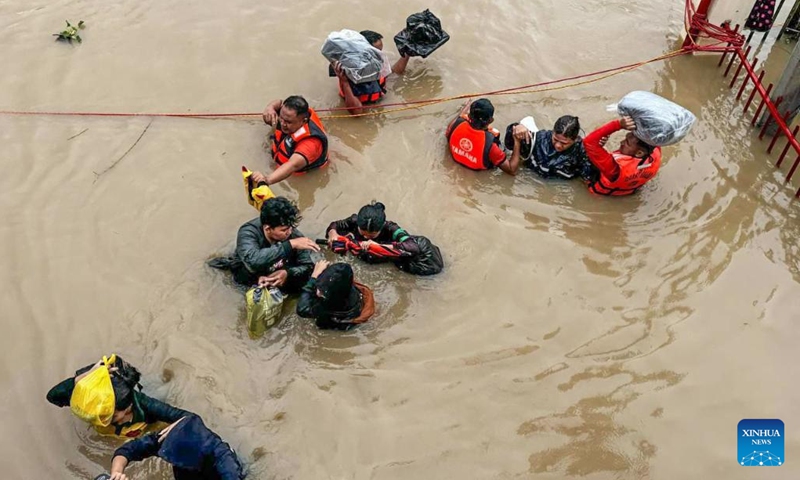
(93, 396)
(264, 308)
(256, 196)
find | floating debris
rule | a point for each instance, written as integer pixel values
(71, 32)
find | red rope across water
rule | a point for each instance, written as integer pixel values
(696, 25)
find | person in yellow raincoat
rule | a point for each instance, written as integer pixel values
(105, 395)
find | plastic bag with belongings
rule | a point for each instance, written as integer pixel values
(264, 308)
(256, 195)
(659, 122)
(93, 398)
(360, 61)
(428, 262)
(422, 36)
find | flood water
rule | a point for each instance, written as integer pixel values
(570, 335)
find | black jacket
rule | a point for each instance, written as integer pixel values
(194, 451)
(255, 256)
(546, 161)
(145, 409)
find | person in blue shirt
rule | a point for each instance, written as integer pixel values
(194, 451)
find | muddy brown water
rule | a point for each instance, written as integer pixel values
(570, 336)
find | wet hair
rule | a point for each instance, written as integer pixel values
(371, 36)
(335, 283)
(568, 126)
(372, 217)
(124, 381)
(298, 104)
(279, 212)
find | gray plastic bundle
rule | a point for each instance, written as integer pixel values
(361, 61)
(659, 122)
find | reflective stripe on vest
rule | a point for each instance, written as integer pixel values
(634, 172)
(283, 146)
(470, 147)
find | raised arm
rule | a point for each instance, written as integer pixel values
(270, 114)
(400, 65)
(353, 104)
(597, 154)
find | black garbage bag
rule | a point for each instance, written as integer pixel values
(422, 36)
(428, 262)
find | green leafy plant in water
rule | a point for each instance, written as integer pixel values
(71, 32)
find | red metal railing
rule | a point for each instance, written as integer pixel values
(698, 27)
(771, 106)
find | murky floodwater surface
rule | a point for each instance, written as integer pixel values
(570, 336)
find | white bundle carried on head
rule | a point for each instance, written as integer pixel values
(659, 122)
(361, 61)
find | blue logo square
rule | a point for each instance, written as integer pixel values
(761, 443)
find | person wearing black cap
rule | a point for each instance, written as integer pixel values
(472, 141)
(334, 299)
(194, 451)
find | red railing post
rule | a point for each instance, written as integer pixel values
(701, 12)
(777, 134)
(744, 83)
(752, 93)
(725, 52)
(787, 147)
(769, 119)
(794, 167)
(764, 101)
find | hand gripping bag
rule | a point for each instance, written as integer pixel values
(361, 61)
(422, 36)
(256, 196)
(93, 398)
(659, 122)
(264, 308)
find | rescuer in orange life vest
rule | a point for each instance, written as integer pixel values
(356, 95)
(625, 170)
(474, 144)
(299, 142)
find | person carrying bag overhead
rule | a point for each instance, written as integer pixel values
(104, 395)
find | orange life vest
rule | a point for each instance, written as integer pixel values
(469, 146)
(369, 92)
(634, 172)
(283, 145)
